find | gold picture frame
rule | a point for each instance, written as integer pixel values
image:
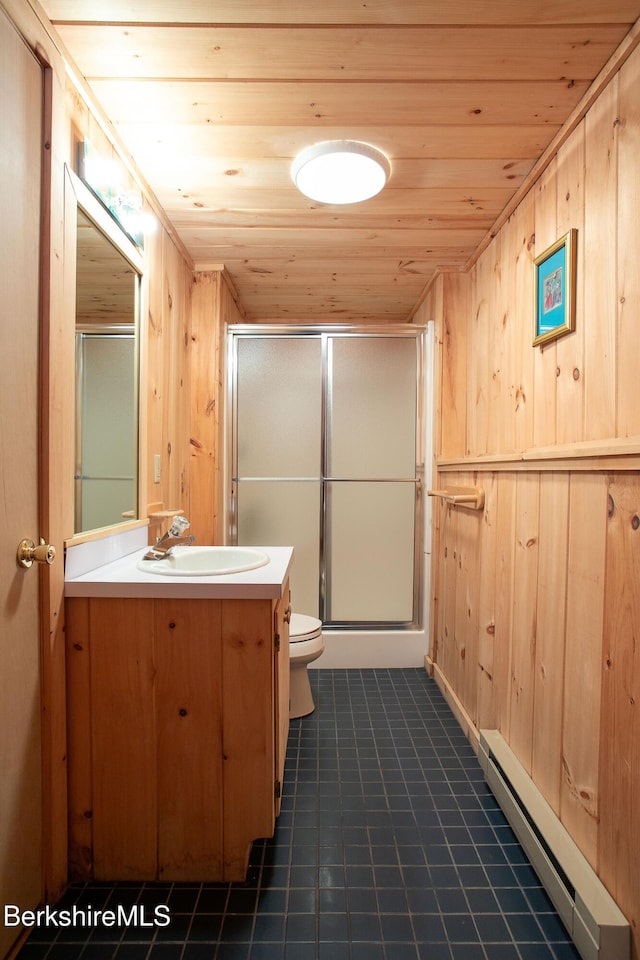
(555, 290)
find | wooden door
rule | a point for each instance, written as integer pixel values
(21, 90)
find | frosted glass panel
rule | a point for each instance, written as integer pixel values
(107, 501)
(285, 513)
(108, 397)
(354, 560)
(279, 407)
(372, 551)
(106, 484)
(373, 407)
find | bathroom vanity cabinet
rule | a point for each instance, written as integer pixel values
(178, 715)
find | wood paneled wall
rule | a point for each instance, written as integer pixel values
(214, 307)
(165, 377)
(536, 599)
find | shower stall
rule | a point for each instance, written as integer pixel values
(326, 452)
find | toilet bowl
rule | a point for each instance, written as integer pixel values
(305, 646)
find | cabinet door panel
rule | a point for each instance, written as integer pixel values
(125, 811)
(248, 729)
(189, 731)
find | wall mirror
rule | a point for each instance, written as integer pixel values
(108, 269)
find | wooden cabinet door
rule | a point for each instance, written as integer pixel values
(188, 703)
(123, 740)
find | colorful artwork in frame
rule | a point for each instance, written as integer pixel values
(555, 290)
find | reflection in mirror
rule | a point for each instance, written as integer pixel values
(107, 294)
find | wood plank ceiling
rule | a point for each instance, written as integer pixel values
(214, 100)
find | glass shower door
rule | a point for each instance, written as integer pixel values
(371, 479)
(325, 457)
(278, 428)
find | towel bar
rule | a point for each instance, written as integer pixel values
(472, 497)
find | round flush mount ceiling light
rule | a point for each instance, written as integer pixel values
(340, 171)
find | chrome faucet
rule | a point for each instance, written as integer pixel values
(172, 538)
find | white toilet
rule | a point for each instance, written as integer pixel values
(305, 646)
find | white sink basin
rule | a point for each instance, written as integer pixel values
(205, 561)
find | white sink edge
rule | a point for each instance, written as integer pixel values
(165, 568)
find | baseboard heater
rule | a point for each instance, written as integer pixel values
(594, 921)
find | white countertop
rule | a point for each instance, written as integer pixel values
(122, 578)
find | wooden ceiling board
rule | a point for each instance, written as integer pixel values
(173, 171)
(376, 54)
(392, 203)
(314, 104)
(167, 143)
(528, 12)
(213, 102)
(428, 237)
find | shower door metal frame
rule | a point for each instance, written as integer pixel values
(325, 333)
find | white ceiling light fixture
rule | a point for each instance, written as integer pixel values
(340, 171)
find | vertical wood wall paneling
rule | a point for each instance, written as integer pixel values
(183, 379)
(579, 802)
(230, 312)
(486, 708)
(628, 280)
(175, 409)
(466, 611)
(478, 356)
(501, 338)
(524, 629)
(151, 349)
(505, 572)
(545, 356)
(166, 351)
(576, 729)
(522, 357)
(214, 308)
(205, 399)
(447, 592)
(601, 236)
(189, 710)
(432, 309)
(550, 636)
(619, 833)
(570, 348)
(434, 306)
(125, 800)
(454, 370)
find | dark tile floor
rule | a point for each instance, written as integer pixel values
(389, 847)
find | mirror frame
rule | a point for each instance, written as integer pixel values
(79, 196)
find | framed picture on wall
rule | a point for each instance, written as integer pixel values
(555, 290)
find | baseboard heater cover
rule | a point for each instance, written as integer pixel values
(594, 921)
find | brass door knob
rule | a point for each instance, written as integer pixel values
(28, 553)
(287, 615)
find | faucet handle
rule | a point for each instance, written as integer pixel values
(178, 526)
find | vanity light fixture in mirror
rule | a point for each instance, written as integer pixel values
(113, 187)
(107, 307)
